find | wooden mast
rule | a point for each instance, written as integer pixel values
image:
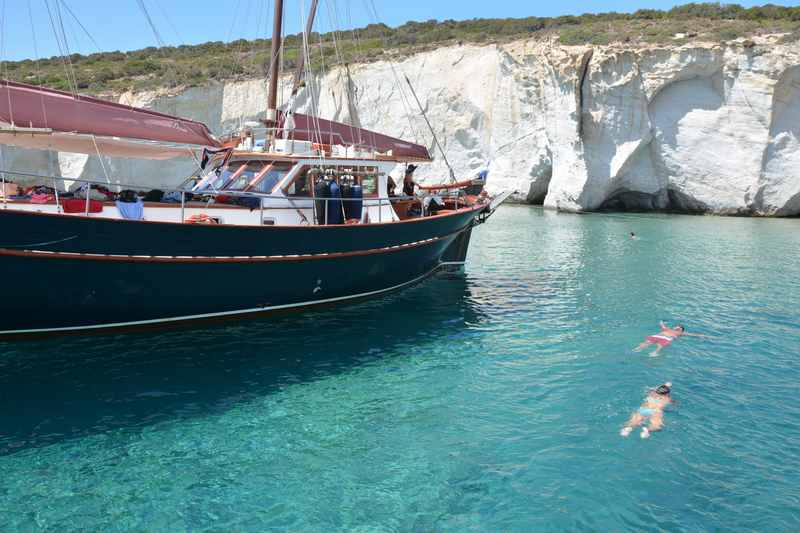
(274, 63)
(298, 74)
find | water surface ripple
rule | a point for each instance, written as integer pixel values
(485, 402)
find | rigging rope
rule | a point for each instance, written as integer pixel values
(169, 21)
(63, 48)
(36, 63)
(404, 100)
(64, 3)
(170, 70)
(238, 55)
(146, 13)
(313, 97)
(333, 16)
(102, 164)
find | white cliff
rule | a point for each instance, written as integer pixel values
(699, 127)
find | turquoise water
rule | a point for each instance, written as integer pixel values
(488, 402)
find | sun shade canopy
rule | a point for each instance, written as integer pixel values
(76, 122)
(308, 128)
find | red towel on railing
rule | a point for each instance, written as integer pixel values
(78, 205)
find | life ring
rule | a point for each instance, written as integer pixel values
(202, 218)
(323, 149)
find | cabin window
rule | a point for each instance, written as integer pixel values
(270, 179)
(301, 185)
(369, 184)
(244, 174)
(213, 181)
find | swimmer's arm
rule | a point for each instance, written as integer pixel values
(697, 335)
(663, 326)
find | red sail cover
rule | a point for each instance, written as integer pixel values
(318, 130)
(28, 106)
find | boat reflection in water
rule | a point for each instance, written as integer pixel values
(78, 387)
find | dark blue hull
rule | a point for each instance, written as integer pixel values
(60, 233)
(111, 278)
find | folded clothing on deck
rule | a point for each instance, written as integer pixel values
(131, 210)
(78, 205)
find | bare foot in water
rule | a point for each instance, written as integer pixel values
(626, 431)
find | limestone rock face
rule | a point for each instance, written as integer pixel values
(699, 127)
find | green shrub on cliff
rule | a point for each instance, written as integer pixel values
(199, 64)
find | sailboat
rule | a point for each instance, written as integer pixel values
(289, 214)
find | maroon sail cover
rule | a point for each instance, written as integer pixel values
(29, 106)
(318, 130)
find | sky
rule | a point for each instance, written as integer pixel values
(26, 30)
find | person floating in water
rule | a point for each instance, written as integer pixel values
(652, 409)
(633, 235)
(664, 338)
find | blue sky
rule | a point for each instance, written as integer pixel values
(121, 25)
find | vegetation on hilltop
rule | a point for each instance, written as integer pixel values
(189, 65)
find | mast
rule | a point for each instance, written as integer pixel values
(301, 56)
(272, 97)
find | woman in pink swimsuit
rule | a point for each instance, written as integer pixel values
(664, 338)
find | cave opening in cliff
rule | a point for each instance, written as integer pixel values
(537, 191)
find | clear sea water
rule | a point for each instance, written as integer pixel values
(485, 402)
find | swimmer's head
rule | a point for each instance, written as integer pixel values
(680, 328)
(664, 389)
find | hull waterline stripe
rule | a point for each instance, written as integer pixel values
(189, 318)
(45, 254)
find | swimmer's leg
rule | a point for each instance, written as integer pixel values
(635, 420)
(655, 352)
(656, 422)
(642, 346)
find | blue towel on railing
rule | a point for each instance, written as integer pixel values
(131, 210)
(172, 196)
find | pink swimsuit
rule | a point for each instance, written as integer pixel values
(661, 340)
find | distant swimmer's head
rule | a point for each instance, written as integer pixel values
(664, 389)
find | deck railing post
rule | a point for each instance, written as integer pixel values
(5, 197)
(314, 209)
(183, 207)
(88, 188)
(327, 208)
(55, 189)
(261, 215)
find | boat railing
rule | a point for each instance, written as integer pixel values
(328, 138)
(214, 193)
